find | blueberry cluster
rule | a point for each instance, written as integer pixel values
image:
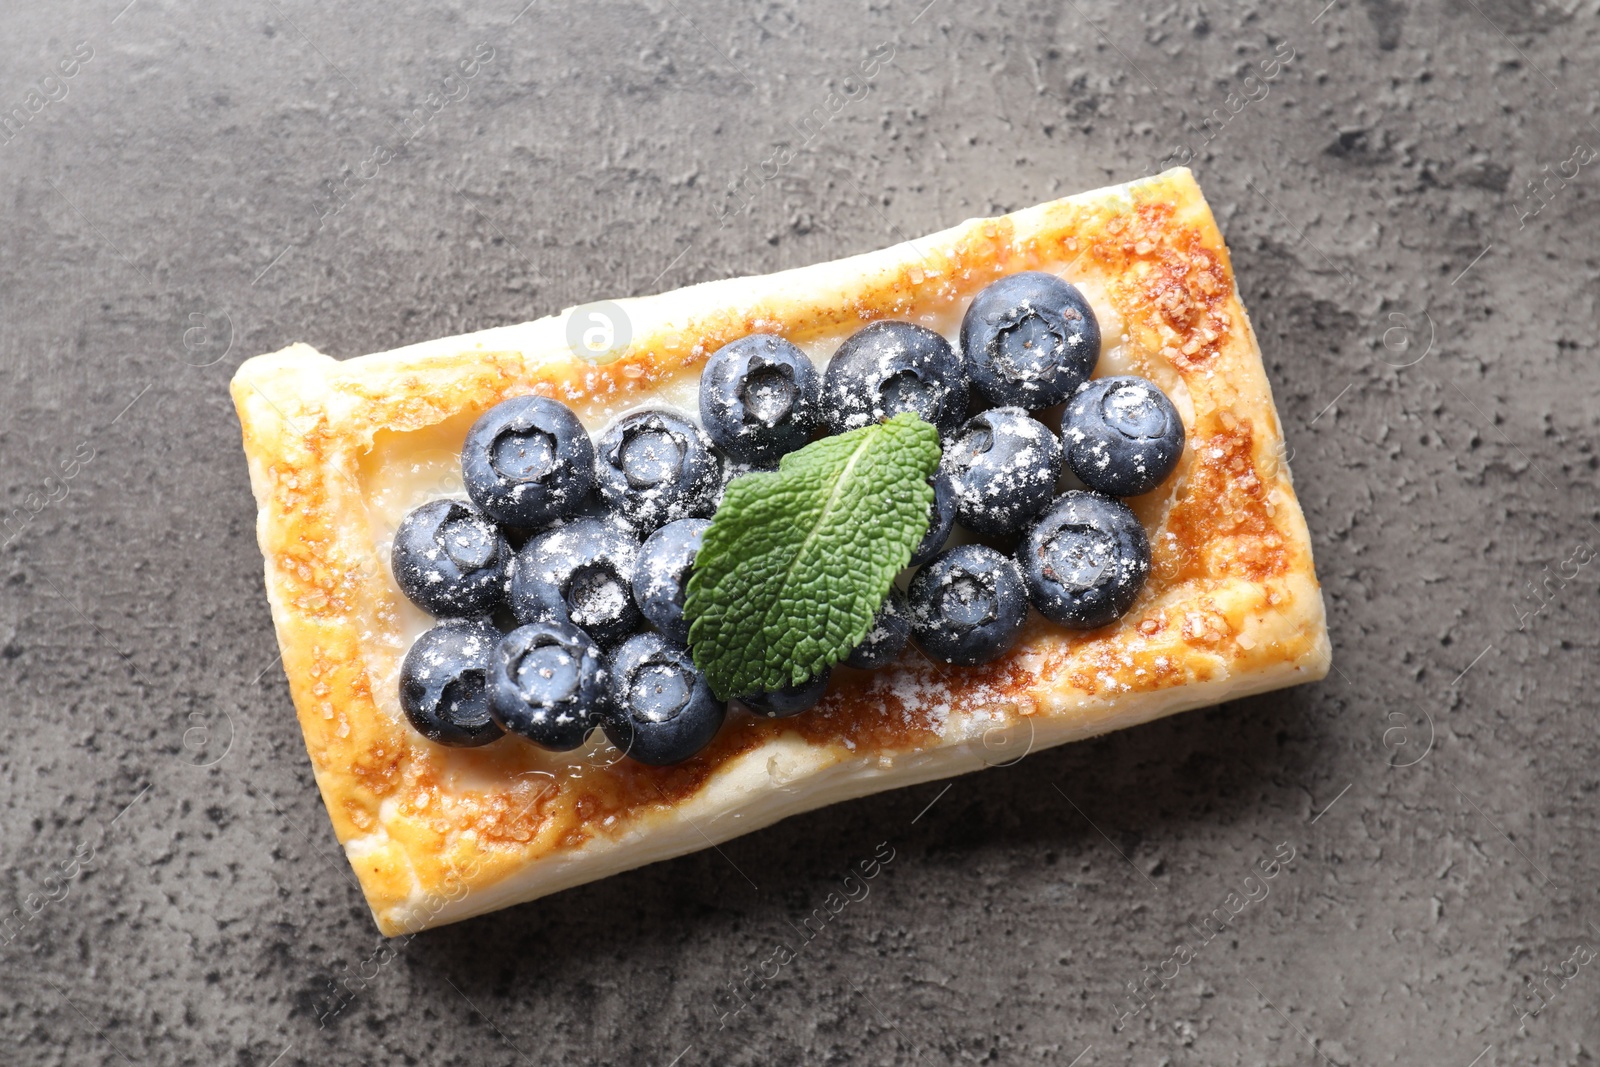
(582, 626)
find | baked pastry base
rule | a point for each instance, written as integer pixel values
(339, 451)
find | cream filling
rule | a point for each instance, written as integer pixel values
(405, 471)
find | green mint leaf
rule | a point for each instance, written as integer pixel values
(797, 562)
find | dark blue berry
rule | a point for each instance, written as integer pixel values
(654, 467)
(1030, 339)
(968, 605)
(732, 471)
(450, 559)
(1122, 435)
(580, 573)
(886, 637)
(941, 519)
(791, 699)
(660, 709)
(546, 683)
(444, 683)
(890, 367)
(1085, 560)
(1004, 467)
(759, 398)
(662, 576)
(528, 461)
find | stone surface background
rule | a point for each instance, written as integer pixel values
(173, 888)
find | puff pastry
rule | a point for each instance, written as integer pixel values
(340, 451)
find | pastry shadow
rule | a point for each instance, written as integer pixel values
(1145, 788)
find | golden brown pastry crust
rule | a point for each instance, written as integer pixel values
(438, 834)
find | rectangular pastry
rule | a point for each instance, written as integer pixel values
(340, 451)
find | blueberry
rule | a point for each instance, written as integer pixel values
(732, 471)
(968, 605)
(890, 367)
(655, 467)
(580, 573)
(791, 699)
(547, 684)
(450, 559)
(1004, 466)
(1030, 339)
(1085, 560)
(1122, 435)
(759, 398)
(528, 462)
(886, 637)
(443, 683)
(660, 709)
(941, 519)
(662, 576)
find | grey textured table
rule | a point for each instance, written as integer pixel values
(215, 180)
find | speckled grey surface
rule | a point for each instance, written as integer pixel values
(217, 180)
